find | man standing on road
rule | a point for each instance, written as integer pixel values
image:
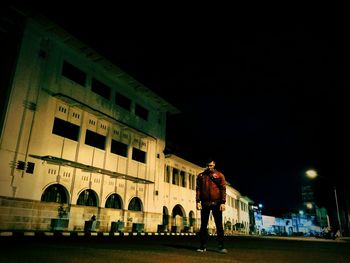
(211, 196)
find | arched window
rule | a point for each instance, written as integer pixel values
(114, 201)
(135, 204)
(55, 193)
(192, 219)
(228, 224)
(88, 198)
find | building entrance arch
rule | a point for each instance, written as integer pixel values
(179, 219)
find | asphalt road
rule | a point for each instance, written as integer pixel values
(169, 249)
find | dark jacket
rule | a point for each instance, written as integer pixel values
(211, 188)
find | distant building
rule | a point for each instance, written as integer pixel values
(308, 199)
(310, 221)
(292, 224)
(256, 220)
(319, 214)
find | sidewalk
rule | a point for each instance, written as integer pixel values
(131, 234)
(344, 238)
(339, 239)
(87, 234)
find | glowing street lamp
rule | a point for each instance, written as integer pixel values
(312, 174)
(309, 205)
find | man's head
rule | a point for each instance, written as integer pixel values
(210, 164)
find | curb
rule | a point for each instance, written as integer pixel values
(86, 234)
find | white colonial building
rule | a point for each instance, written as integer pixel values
(81, 138)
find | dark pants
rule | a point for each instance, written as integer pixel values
(203, 232)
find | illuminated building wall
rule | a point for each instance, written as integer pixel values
(80, 137)
(78, 130)
(179, 198)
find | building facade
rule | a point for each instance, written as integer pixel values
(179, 199)
(82, 139)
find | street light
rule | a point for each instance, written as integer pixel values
(312, 174)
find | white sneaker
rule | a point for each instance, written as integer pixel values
(201, 250)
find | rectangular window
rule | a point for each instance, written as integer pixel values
(175, 176)
(166, 173)
(66, 129)
(73, 73)
(141, 112)
(138, 155)
(122, 101)
(100, 89)
(95, 140)
(183, 179)
(21, 165)
(30, 167)
(119, 148)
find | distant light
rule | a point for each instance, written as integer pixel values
(309, 205)
(260, 206)
(301, 212)
(311, 174)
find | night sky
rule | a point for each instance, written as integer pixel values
(267, 99)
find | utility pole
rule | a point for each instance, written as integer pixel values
(338, 215)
